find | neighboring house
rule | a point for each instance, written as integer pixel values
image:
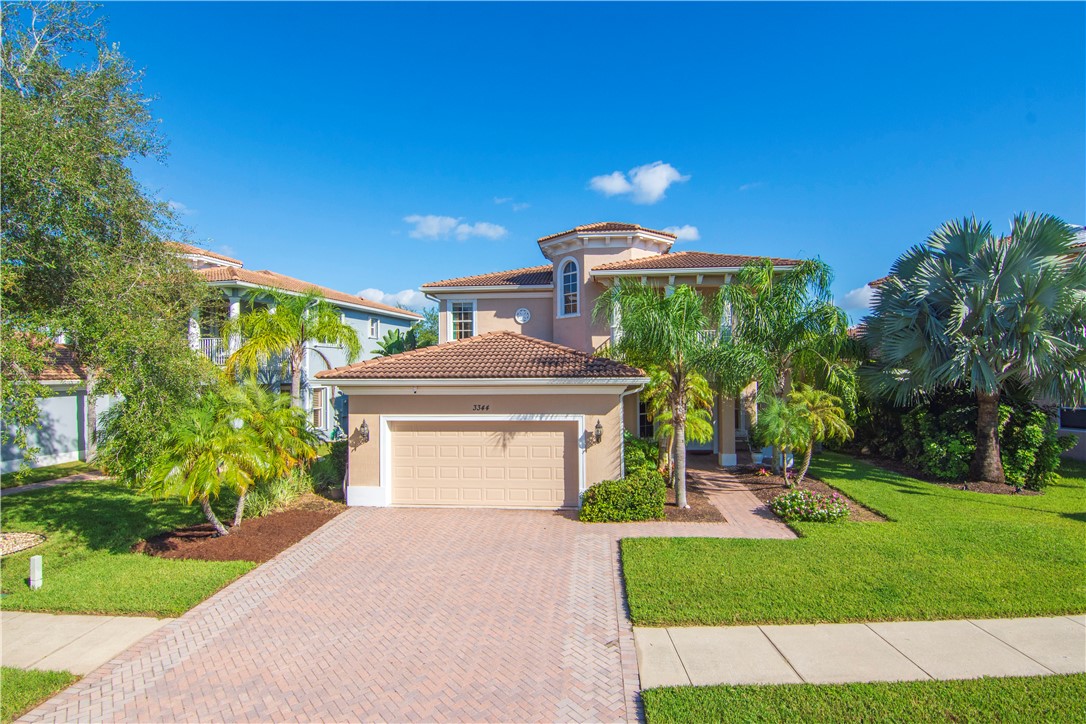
(505, 411)
(64, 427)
(371, 320)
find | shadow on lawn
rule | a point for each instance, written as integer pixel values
(104, 516)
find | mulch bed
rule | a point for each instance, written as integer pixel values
(899, 467)
(257, 539)
(767, 488)
(700, 510)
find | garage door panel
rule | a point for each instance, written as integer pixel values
(493, 464)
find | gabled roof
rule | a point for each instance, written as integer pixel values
(604, 226)
(532, 276)
(689, 260)
(265, 278)
(61, 365)
(195, 250)
(494, 355)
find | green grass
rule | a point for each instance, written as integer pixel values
(22, 690)
(49, 472)
(945, 553)
(1020, 699)
(90, 528)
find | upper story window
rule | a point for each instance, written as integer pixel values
(463, 319)
(571, 292)
(375, 329)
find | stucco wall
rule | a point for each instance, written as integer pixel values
(602, 461)
(494, 313)
(60, 434)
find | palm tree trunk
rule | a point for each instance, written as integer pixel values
(212, 518)
(239, 512)
(806, 462)
(678, 421)
(92, 416)
(296, 379)
(987, 465)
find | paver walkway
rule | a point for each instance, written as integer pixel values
(77, 478)
(856, 652)
(734, 500)
(78, 644)
(398, 615)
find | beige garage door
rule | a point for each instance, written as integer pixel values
(485, 464)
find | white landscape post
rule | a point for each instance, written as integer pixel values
(35, 573)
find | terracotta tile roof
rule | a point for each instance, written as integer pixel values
(690, 260)
(61, 365)
(190, 249)
(265, 278)
(878, 283)
(494, 355)
(607, 226)
(532, 276)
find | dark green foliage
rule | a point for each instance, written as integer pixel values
(807, 505)
(640, 453)
(328, 470)
(638, 496)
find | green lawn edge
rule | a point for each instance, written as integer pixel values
(45, 473)
(21, 690)
(943, 554)
(1056, 698)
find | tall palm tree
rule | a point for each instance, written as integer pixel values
(699, 406)
(825, 417)
(204, 451)
(783, 424)
(291, 322)
(280, 428)
(967, 308)
(668, 331)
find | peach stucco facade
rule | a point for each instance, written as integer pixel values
(496, 312)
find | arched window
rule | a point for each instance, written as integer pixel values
(571, 289)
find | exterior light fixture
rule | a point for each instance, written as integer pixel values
(364, 432)
(599, 432)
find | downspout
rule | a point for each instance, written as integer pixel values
(622, 428)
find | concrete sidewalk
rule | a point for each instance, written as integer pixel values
(77, 478)
(858, 652)
(78, 644)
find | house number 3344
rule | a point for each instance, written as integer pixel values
(480, 408)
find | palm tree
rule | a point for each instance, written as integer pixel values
(395, 342)
(968, 309)
(825, 418)
(204, 450)
(281, 429)
(784, 425)
(287, 327)
(667, 331)
(699, 405)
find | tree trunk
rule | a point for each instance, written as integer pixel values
(806, 462)
(212, 518)
(239, 512)
(296, 380)
(987, 465)
(91, 412)
(678, 422)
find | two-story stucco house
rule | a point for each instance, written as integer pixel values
(512, 409)
(237, 285)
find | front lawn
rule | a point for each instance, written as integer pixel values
(49, 472)
(944, 553)
(23, 690)
(88, 567)
(1037, 699)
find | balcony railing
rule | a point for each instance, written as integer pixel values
(214, 349)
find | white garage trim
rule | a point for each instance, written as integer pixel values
(382, 495)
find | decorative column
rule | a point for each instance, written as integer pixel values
(725, 420)
(194, 329)
(234, 313)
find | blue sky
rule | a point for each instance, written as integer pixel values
(373, 146)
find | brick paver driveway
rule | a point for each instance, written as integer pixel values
(398, 615)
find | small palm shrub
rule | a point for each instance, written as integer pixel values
(276, 494)
(328, 470)
(638, 496)
(800, 504)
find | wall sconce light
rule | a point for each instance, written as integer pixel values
(364, 432)
(599, 432)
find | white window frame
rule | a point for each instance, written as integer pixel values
(375, 328)
(452, 319)
(561, 310)
(314, 393)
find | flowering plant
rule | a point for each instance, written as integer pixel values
(762, 472)
(807, 505)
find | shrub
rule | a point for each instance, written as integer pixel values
(328, 470)
(640, 453)
(273, 495)
(638, 496)
(807, 505)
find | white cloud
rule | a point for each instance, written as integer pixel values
(179, 208)
(412, 298)
(686, 232)
(429, 226)
(520, 206)
(752, 185)
(515, 206)
(858, 300)
(226, 249)
(645, 184)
